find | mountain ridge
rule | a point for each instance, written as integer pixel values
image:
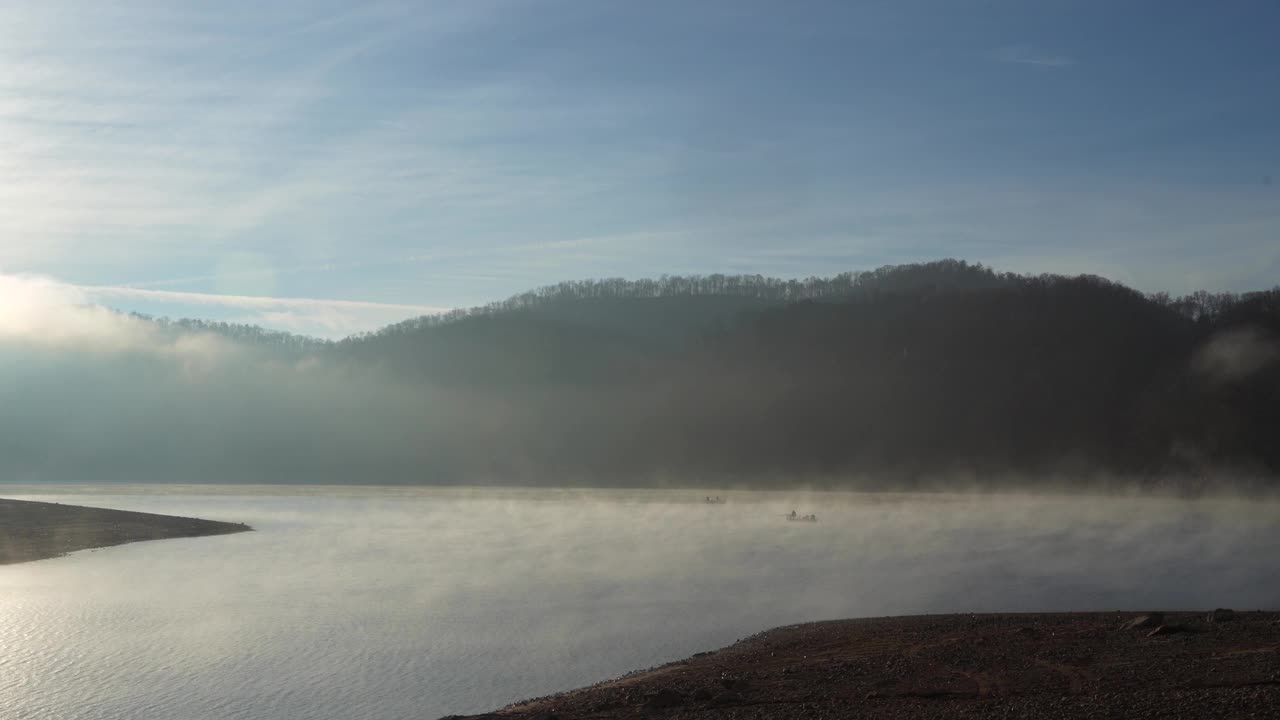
(885, 378)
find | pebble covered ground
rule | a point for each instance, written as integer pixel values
(38, 530)
(1219, 664)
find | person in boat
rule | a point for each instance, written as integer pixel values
(792, 515)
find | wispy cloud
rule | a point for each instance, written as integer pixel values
(40, 311)
(456, 153)
(320, 317)
(168, 133)
(1023, 54)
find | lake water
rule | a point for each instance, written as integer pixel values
(416, 603)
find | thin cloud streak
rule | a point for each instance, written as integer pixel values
(259, 302)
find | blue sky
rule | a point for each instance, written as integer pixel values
(328, 167)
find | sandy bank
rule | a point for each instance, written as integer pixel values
(37, 530)
(1110, 665)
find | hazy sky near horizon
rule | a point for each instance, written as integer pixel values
(326, 167)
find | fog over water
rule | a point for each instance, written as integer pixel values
(416, 603)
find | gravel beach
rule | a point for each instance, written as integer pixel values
(39, 530)
(1211, 664)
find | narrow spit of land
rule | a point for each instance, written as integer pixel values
(1221, 664)
(39, 530)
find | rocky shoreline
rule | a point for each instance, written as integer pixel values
(38, 530)
(1215, 664)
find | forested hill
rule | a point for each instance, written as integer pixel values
(945, 371)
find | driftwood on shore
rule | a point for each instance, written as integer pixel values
(1222, 664)
(39, 530)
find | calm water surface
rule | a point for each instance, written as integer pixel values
(390, 603)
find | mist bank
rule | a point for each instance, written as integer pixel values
(940, 375)
(455, 600)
